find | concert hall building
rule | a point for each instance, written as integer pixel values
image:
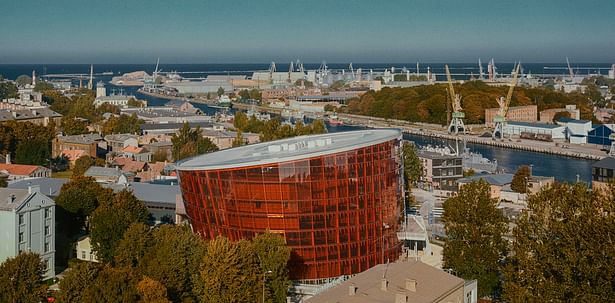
(336, 198)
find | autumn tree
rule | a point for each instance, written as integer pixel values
(188, 143)
(273, 255)
(152, 291)
(239, 140)
(73, 126)
(21, 279)
(474, 247)
(80, 276)
(520, 179)
(563, 247)
(110, 220)
(112, 285)
(3, 180)
(133, 246)
(82, 164)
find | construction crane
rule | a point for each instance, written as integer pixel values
(504, 103)
(456, 125)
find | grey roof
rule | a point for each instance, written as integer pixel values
(493, 179)
(120, 137)
(160, 144)
(6, 193)
(173, 126)
(608, 162)
(27, 114)
(149, 193)
(48, 186)
(535, 125)
(82, 139)
(435, 155)
(431, 284)
(289, 149)
(97, 171)
(570, 120)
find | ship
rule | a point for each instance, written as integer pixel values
(469, 160)
(223, 102)
(335, 121)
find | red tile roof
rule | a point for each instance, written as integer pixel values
(19, 169)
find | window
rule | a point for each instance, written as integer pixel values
(21, 219)
(47, 213)
(83, 255)
(21, 237)
(46, 246)
(46, 230)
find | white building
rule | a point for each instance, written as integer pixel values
(516, 128)
(576, 130)
(27, 223)
(117, 100)
(85, 251)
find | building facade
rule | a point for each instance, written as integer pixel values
(336, 198)
(603, 173)
(528, 113)
(27, 221)
(441, 171)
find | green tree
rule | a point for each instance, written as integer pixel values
(244, 94)
(239, 139)
(133, 246)
(79, 198)
(273, 256)
(520, 179)
(124, 124)
(474, 247)
(135, 103)
(469, 172)
(318, 127)
(188, 143)
(112, 285)
(34, 152)
(563, 247)
(21, 279)
(220, 91)
(8, 90)
(23, 80)
(559, 115)
(42, 86)
(240, 121)
(413, 167)
(4, 180)
(76, 280)
(255, 94)
(110, 220)
(72, 126)
(82, 164)
(227, 273)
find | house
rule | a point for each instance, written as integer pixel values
(21, 171)
(161, 148)
(401, 282)
(536, 183)
(40, 116)
(117, 142)
(27, 218)
(88, 143)
(497, 182)
(85, 251)
(603, 173)
(441, 171)
(137, 153)
(106, 174)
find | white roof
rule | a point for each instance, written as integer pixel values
(289, 149)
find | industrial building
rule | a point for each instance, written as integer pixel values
(550, 131)
(336, 198)
(528, 113)
(576, 130)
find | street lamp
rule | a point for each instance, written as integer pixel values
(264, 279)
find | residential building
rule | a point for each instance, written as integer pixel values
(497, 182)
(117, 142)
(334, 197)
(27, 222)
(161, 147)
(527, 113)
(603, 172)
(40, 116)
(441, 171)
(85, 251)
(401, 282)
(537, 183)
(137, 153)
(88, 143)
(107, 174)
(21, 171)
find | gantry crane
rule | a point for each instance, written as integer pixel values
(504, 103)
(456, 125)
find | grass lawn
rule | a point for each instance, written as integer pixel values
(62, 174)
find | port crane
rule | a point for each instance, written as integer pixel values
(504, 103)
(456, 125)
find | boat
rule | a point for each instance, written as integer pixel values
(223, 102)
(335, 121)
(107, 73)
(258, 115)
(469, 160)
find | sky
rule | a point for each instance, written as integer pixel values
(260, 31)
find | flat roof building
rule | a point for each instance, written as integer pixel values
(334, 197)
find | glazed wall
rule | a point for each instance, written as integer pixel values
(339, 212)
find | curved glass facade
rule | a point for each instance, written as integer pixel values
(338, 212)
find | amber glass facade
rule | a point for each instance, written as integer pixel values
(338, 212)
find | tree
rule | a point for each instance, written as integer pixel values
(8, 90)
(110, 220)
(273, 255)
(3, 180)
(73, 126)
(135, 103)
(42, 86)
(240, 121)
(318, 127)
(413, 167)
(124, 124)
(80, 276)
(21, 279)
(82, 164)
(559, 115)
(520, 179)
(469, 172)
(112, 285)
(188, 143)
(239, 139)
(474, 246)
(133, 245)
(220, 91)
(152, 291)
(80, 197)
(227, 274)
(563, 247)
(23, 80)
(33, 152)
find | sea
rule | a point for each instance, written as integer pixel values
(564, 169)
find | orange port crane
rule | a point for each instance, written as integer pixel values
(504, 103)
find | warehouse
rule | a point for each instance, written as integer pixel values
(554, 131)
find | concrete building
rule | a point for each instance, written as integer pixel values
(27, 222)
(603, 172)
(39, 116)
(547, 115)
(22, 171)
(552, 131)
(117, 142)
(334, 197)
(89, 143)
(401, 282)
(527, 113)
(576, 130)
(441, 171)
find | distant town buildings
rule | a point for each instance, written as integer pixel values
(89, 144)
(27, 218)
(40, 116)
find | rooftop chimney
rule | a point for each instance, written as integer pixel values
(352, 290)
(384, 284)
(7, 159)
(11, 199)
(401, 298)
(411, 285)
(34, 189)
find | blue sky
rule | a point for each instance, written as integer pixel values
(233, 31)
